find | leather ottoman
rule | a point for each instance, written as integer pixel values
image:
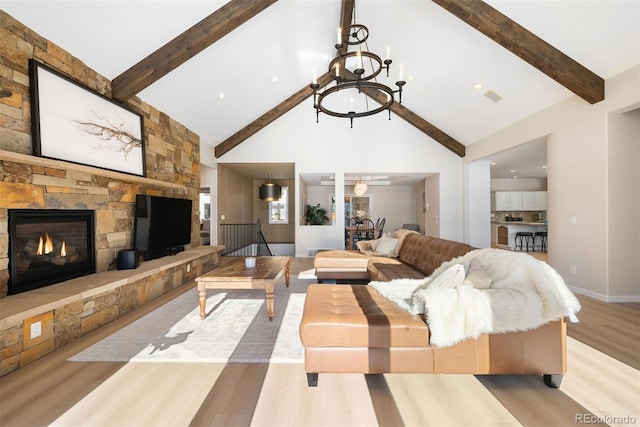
(348, 328)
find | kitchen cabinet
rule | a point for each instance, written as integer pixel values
(503, 235)
(541, 200)
(521, 200)
(508, 200)
(534, 200)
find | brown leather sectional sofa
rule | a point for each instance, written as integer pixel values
(418, 257)
(354, 329)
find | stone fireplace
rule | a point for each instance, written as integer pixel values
(47, 246)
(28, 182)
(35, 184)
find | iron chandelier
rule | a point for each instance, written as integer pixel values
(356, 70)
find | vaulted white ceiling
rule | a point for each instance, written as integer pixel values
(273, 55)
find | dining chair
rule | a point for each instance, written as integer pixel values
(366, 230)
(352, 222)
(380, 228)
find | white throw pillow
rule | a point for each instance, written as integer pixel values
(450, 278)
(374, 243)
(386, 245)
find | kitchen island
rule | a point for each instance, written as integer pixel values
(506, 232)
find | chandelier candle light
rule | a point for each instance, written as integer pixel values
(356, 70)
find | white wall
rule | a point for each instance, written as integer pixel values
(432, 215)
(578, 148)
(374, 145)
(624, 202)
(478, 204)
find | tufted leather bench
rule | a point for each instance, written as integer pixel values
(341, 264)
(369, 333)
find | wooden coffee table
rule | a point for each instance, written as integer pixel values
(232, 274)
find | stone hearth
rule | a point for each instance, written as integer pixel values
(68, 310)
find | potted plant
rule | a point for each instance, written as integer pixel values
(316, 215)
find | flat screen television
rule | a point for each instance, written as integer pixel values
(162, 225)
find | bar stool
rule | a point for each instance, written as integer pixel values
(543, 240)
(526, 237)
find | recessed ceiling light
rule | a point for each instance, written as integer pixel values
(477, 86)
(512, 170)
(544, 167)
(493, 163)
(221, 95)
(274, 79)
(515, 176)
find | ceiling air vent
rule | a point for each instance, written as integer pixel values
(492, 96)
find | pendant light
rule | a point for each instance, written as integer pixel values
(360, 188)
(269, 191)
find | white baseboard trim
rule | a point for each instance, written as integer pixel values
(603, 297)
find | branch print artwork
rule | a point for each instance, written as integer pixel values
(80, 126)
(113, 136)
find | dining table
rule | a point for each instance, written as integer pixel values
(351, 232)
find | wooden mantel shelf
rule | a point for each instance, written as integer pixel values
(59, 164)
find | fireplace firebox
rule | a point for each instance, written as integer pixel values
(48, 246)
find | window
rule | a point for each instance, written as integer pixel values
(279, 209)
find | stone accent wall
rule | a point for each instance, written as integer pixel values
(75, 315)
(172, 154)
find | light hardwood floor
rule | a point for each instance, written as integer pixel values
(603, 381)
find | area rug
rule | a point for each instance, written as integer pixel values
(235, 329)
(308, 274)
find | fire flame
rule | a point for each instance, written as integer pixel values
(45, 246)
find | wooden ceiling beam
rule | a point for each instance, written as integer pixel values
(346, 17)
(185, 46)
(403, 112)
(432, 131)
(528, 46)
(421, 124)
(236, 139)
(268, 117)
(295, 99)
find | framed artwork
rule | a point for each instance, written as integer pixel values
(73, 123)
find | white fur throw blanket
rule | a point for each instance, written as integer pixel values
(523, 294)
